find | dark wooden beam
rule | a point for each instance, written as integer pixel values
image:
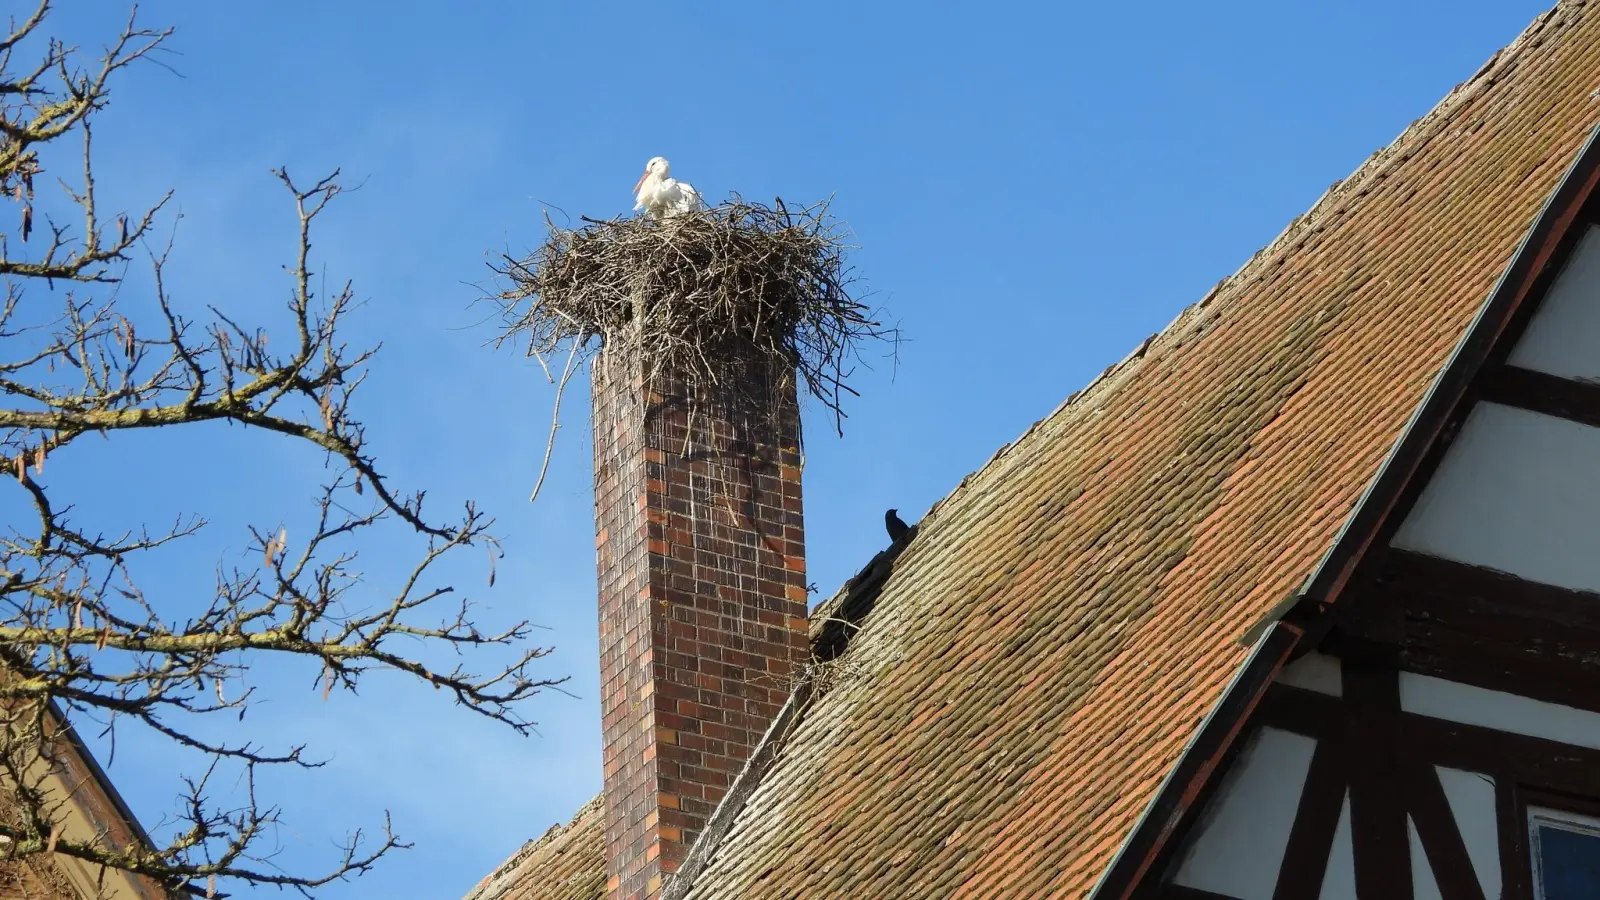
(1378, 835)
(1442, 844)
(1404, 573)
(1305, 858)
(1517, 763)
(1477, 626)
(1516, 868)
(1532, 761)
(1179, 892)
(1540, 392)
(1301, 711)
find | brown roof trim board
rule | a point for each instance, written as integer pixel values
(98, 800)
(1300, 620)
(1529, 260)
(1200, 758)
(118, 804)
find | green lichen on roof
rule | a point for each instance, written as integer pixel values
(1047, 645)
(1043, 650)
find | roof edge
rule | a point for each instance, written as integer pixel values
(1311, 604)
(834, 622)
(529, 847)
(1528, 261)
(733, 803)
(1199, 759)
(103, 780)
(67, 732)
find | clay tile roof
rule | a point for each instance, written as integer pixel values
(566, 863)
(1049, 641)
(1064, 619)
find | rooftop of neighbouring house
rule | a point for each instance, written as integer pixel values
(1048, 643)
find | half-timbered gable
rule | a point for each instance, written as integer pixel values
(1442, 739)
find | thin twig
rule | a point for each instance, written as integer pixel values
(555, 420)
(704, 297)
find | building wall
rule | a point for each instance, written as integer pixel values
(1518, 490)
(1240, 846)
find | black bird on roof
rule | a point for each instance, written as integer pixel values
(897, 528)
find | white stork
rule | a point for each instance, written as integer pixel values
(660, 195)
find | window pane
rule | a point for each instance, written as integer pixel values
(1569, 864)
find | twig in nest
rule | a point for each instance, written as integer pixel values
(555, 416)
(699, 297)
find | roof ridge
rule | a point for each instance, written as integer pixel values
(1413, 136)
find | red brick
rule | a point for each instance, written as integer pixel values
(703, 614)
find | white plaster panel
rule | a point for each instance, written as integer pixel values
(1518, 491)
(1423, 885)
(1564, 338)
(1242, 837)
(1314, 672)
(1339, 879)
(1471, 796)
(1429, 696)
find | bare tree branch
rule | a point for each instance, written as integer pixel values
(78, 636)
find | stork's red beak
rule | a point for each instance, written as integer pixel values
(640, 182)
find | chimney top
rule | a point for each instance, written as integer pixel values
(708, 323)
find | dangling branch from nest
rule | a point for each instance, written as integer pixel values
(696, 295)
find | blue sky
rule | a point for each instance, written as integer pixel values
(1035, 188)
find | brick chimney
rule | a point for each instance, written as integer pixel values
(701, 554)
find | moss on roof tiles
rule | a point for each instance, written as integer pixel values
(1045, 648)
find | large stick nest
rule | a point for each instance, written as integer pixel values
(699, 296)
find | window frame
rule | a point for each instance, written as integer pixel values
(1540, 813)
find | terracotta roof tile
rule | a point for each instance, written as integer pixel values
(1049, 642)
(566, 863)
